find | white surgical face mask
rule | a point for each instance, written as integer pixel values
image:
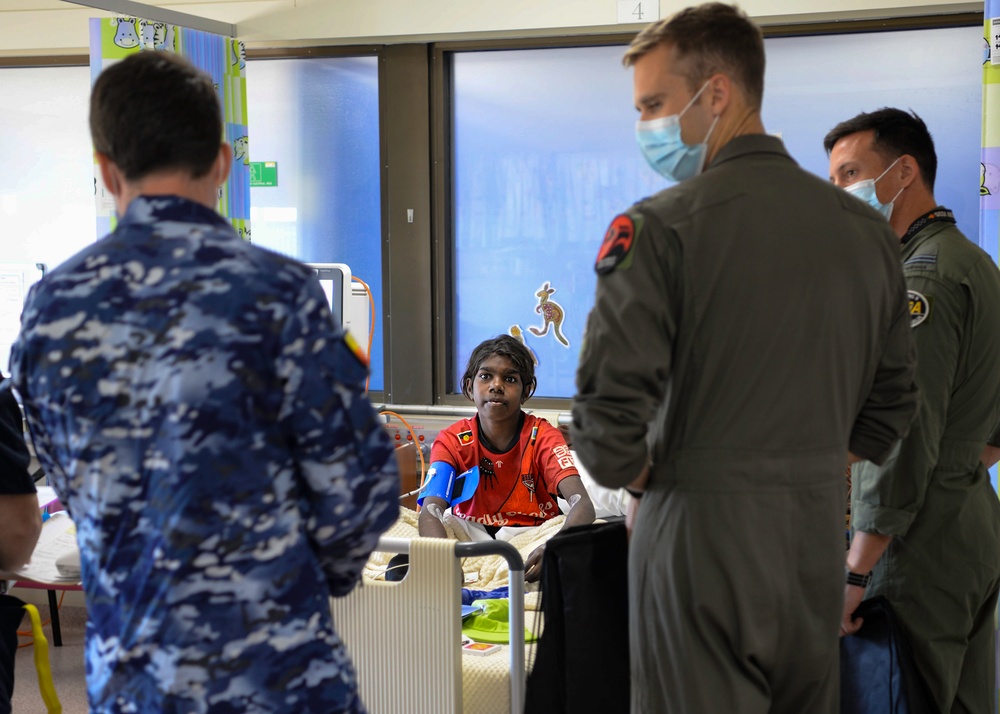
(865, 190)
(661, 144)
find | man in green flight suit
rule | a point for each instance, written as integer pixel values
(749, 331)
(927, 522)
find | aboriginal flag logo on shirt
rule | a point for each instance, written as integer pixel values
(465, 437)
(355, 349)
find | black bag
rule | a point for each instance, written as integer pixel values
(877, 673)
(582, 662)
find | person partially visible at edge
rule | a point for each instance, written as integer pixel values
(20, 525)
(750, 332)
(203, 418)
(523, 461)
(926, 523)
(19, 512)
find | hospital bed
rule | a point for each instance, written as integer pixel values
(405, 637)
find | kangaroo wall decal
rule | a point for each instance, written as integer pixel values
(552, 315)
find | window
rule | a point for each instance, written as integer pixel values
(545, 156)
(318, 119)
(47, 186)
(47, 208)
(813, 83)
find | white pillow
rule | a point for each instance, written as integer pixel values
(608, 502)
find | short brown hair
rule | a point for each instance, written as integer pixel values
(709, 38)
(154, 111)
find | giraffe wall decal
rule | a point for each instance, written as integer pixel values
(517, 334)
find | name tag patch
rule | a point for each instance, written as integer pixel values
(920, 308)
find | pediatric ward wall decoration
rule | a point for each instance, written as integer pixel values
(989, 167)
(222, 58)
(552, 315)
(517, 333)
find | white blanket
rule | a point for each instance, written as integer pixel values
(481, 573)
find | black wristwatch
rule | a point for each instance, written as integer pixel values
(857, 579)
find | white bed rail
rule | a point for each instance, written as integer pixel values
(404, 636)
(515, 566)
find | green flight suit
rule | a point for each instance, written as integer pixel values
(941, 571)
(751, 325)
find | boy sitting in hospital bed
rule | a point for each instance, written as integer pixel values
(502, 470)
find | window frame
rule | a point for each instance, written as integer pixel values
(325, 52)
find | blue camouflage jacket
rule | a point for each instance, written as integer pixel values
(203, 419)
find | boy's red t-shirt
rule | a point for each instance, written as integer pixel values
(509, 493)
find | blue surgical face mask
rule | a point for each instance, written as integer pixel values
(865, 190)
(661, 144)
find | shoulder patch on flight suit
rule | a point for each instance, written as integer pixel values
(616, 250)
(920, 308)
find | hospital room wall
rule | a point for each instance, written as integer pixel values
(60, 28)
(420, 333)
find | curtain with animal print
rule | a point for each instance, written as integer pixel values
(989, 176)
(222, 58)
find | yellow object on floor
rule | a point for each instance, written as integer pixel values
(45, 684)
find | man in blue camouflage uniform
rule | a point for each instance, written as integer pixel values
(203, 418)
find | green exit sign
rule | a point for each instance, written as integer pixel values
(263, 173)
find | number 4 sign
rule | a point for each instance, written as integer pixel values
(638, 11)
(993, 51)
